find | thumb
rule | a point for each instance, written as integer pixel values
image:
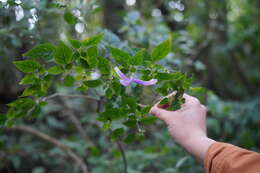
(159, 112)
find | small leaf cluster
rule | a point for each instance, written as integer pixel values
(72, 63)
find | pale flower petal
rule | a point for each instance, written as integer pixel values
(145, 83)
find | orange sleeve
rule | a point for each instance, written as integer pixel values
(227, 158)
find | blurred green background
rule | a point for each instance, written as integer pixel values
(218, 41)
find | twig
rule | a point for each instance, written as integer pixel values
(55, 142)
(123, 155)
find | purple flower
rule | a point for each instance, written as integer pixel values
(124, 80)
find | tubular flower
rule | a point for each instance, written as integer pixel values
(124, 80)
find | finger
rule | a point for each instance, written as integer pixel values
(165, 106)
(190, 100)
(160, 113)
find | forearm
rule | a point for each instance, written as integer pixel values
(198, 147)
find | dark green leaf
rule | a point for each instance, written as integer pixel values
(137, 59)
(164, 101)
(3, 119)
(63, 54)
(75, 43)
(103, 65)
(68, 81)
(148, 120)
(44, 51)
(160, 51)
(117, 133)
(93, 83)
(92, 41)
(92, 56)
(146, 109)
(27, 66)
(70, 18)
(36, 110)
(130, 138)
(109, 93)
(130, 123)
(120, 56)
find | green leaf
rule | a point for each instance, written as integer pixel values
(137, 59)
(70, 18)
(130, 138)
(92, 41)
(20, 107)
(117, 133)
(75, 43)
(3, 119)
(63, 54)
(109, 93)
(120, 56)
(31, 91)
(55, 70)
(36, 110)
(103, 65)
(27, 66)
(167, 76)
(92, 55)
(93, 83)
(28, 79)
(44, 51)
(148, 120)
(68, 81)
(146, 109)
(160, 51)
(164, 101)
(130, 123)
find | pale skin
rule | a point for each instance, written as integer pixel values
(187, 126)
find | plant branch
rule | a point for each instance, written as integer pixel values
(55, 142)
(123, 155)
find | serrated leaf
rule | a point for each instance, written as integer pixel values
(120, 56)
(55, 70)
(93, 83)
(103, 65)
(92, 41)
(70, 18)
(27, 66)
(63, 54)
(138, 57)
(117, 133)
(44, 51)
(75, 43)
(161, 50)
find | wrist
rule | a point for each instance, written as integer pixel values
(198, 146)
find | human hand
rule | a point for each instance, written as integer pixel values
(187, 125)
